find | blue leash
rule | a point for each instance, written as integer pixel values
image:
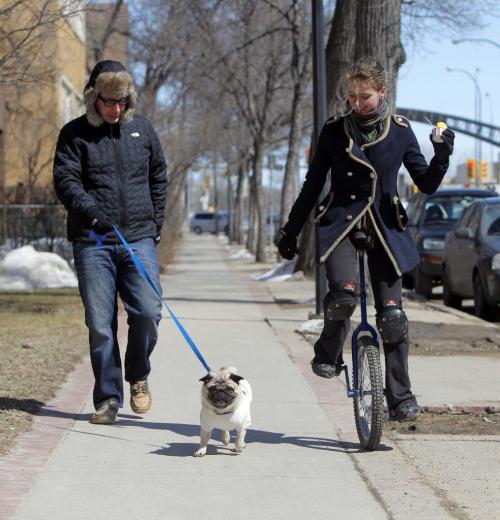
(145, 274)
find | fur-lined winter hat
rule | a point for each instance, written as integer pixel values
(111, 80)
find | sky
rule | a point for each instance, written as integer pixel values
(424, 83)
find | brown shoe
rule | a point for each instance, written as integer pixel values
(140, 397)
(106, 413)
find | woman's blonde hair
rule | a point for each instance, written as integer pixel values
(368, 69)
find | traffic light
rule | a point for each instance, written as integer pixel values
(471, 169)
(206, 182)
(484, 170)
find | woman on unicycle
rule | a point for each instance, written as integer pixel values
(364, 150)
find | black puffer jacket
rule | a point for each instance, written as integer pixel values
(118, 168)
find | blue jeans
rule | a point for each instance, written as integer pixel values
(103, 274)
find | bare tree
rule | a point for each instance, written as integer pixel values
(106, 30)
(297, 18)
(26, 28)
(248, 66)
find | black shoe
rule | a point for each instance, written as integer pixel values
(325, 369)
(106, 413)
(406, 412)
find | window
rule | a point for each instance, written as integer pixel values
(490, 223)
(74, 13)
(71, 101)
(445, 208)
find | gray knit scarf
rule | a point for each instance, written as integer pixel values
(366, 129)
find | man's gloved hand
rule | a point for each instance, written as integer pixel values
(442, 151)
(98, 221)
(287, 246)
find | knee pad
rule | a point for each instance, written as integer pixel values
(341, 301)
(392, 324)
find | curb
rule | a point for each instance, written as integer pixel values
(462, 409)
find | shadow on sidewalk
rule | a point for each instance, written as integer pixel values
(184, 449)
(24, 405)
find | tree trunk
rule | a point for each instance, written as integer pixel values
(339, 57)
(292, 157)
(238, 205)
(378, 34)
(252, 219)
(300, 71)
(259, 207)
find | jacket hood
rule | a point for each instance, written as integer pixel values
(110, 80)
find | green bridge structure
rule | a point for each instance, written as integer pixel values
(477, 129)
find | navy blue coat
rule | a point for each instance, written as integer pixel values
(364, 181)
(118, 168)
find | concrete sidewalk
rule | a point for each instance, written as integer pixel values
(301, 461)
(458, 382)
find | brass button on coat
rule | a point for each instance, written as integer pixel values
(350, 174)
(353, 197)
(348, 217)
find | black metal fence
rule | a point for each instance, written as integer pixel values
(42, 225)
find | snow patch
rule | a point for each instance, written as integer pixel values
(278, 273)
(310, 327)
(25, 269)
(241, 254)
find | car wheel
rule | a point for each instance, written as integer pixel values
(423, 283)
(197, 230)
(482, 309)
(450, 299)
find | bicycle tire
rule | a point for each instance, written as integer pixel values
(369, 407)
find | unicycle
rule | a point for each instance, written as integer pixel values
(367, 384)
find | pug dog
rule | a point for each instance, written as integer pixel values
(225, 405)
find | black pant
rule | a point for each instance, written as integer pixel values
(341, 266)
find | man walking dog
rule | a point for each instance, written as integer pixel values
(109, 169)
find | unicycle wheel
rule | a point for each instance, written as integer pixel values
(369, 404)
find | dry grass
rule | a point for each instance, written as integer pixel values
(42, 337)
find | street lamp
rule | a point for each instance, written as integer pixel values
(480, 40)
(493, 177)
(477, 111)
(320, 112)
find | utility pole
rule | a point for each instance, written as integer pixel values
(320, 112)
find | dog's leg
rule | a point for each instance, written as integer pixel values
(240, 440)
(225, 437)
(204, 438)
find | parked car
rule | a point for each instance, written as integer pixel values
(210, 222)
(471, 264)
(430, 217)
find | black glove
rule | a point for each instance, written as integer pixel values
(442, 151)
(98, 221)
(287, 246)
